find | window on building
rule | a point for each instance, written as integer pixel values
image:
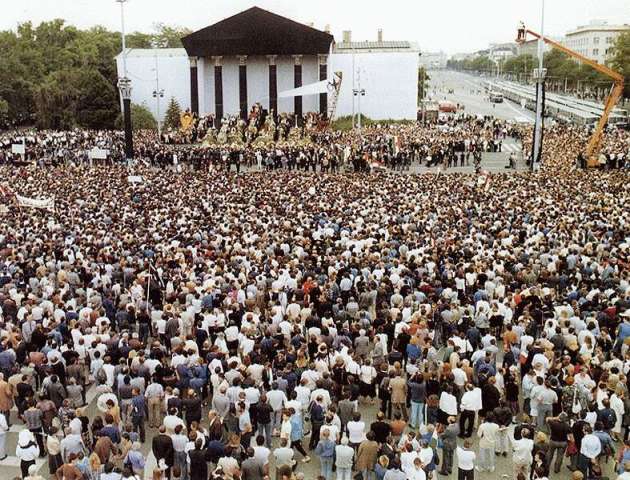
(596, 51)
(595, 40)
(609, 40)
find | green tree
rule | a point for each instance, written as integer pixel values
(423, 83)
(75, 97)
(166, 36)
(54, 62)
(173, 112)
(620, 59)
(519, 65)
(139, 40)
(4, 112)
(141, 118)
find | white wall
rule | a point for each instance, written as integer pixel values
(390, 81)
(173, 76)
(230, 86)
(207, 87)
(310, 74)
(257, 81)
(285, 81)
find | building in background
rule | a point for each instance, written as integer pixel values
(254, 55)
(433, 60)
(594, 40)
(386, 70)
(499, 52)
(530, 47)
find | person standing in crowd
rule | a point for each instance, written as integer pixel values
(465, 461)
(26, 451)
(487, 432)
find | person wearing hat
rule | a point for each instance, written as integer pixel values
(26, 451)
(32, 473)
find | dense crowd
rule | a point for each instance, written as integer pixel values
(245, 325)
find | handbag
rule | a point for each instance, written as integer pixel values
(358, 476)
(576, 407)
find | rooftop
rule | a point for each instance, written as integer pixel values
(370, 46)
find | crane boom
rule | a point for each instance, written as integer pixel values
(595, 142)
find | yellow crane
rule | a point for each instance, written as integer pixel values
(595, 142)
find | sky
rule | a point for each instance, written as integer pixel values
(452, 26)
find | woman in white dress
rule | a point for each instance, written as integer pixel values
(617, 404)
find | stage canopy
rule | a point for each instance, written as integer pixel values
(257, 32)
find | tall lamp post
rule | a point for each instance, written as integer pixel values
(539, 77)
(359, 92)
(157, 94)
(124, 85)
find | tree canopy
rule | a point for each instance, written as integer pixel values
(560, 67)
(620, 59)
(55, 75)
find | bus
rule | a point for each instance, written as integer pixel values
(496, 97)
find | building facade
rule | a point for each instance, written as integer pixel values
(595, 40)
(251, 57)
(433, 60)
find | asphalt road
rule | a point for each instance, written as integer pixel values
(468, 91)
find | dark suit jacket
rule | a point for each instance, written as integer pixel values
(162, 447)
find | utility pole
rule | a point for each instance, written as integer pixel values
(359, 92)
(353, 88)
(157, 94)
(539, 73)
(124, 86)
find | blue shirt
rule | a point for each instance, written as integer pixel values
(325, 448)
(297, 431)
(112, 432)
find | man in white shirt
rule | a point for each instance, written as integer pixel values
(470, 404)
(522, 455)
(465, 461)
(589, 451)
(487, 432)
(276, 399)
(356, 430)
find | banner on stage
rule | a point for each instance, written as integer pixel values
(310, 89)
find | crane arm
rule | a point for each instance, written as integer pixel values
(597, 66)
(595, 142)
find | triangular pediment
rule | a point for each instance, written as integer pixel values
(257, 32)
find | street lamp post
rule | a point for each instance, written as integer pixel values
(359, 92)
(157, 94)
(124, 85)
(539, 74)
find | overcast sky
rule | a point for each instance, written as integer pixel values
(449, 25)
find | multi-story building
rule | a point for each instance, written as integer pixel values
(499, 52)
(530, 47)
(595, 40)
(432, 60)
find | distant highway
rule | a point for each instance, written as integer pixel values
(468, 90)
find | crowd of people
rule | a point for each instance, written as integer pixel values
(380, 326)
(458, 141)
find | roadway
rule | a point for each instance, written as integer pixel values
(468, 91)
